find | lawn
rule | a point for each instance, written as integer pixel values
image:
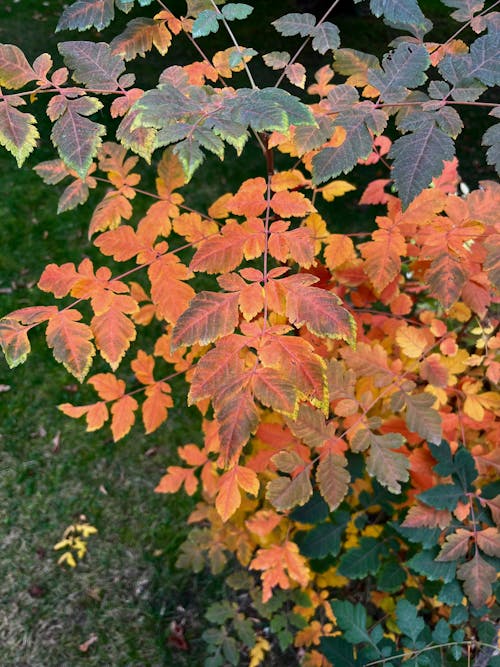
(127, 590)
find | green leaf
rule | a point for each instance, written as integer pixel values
(361, 561)
(491, 138)
(455, 69)
(76, 137)
(314, 511)
(409, 622)
(391, 577)
(406, 12)
(451, 593)
(464, 470)
(339, 652)
(323, 540)
(15, 70)
(442, 496)
(237, 57)
(483, 60)
(421, 417)
(236, 10)
(326, 37)
(308, 137)
(276, 59)
(402, 69)
(441, 632)
(18, 132)
(85, 14)
(352, 620)
(206, 22)
(424, 563)
(295, 24)
(220, 612)
(418, 157)
(93, 64)
(360, 121)
(190, 156)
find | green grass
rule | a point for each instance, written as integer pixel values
(127, 590)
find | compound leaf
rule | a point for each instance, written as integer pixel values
(210, 315)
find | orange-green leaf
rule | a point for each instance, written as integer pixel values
(15, 70)
(238, 418)
(123, 416)
(210, 315)
(275, 391)
(284, 493)
(456, 545)
(333, 479)
(446, 278)
(321, 312)
(70, 342)
(422, 418)
(14, 341)
(387, 466)
(138, 38)
(18, 132)
(478, 577)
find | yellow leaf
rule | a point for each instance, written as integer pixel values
(413, 341)
(257, 653)
(67, 558)
(459, 311)
(336, 189)
(318, 227)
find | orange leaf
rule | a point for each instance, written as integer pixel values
(229, 497)
(383, 254)
(194, 228)
(238, 419)
(249, 200)
(221, 253)
(58, 279)
(175, 478)
(123, 416)
(95, 414)
(276, 391)
(109, 212)
(339, 249)
(108, 386)
(113, 332)
(263, 522)
(287, 204)
(169, 293)
(143, 366)
(70, 342)
(155, 407)
(14, 341)
(280, 564)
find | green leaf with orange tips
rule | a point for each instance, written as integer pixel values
(70, 342)
(14, 341)
(321, 312)
(18, 132)
(229, 497)
(478, 577)
(210, 315)
(333, 479)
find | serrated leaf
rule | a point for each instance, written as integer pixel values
(70, 342)
(422, 418)
(488, 540)
(18, 132)
(323, 540)
(353, 620)
(93, 64)
(321, 312)
(14, 341)
(455, 546)
(284, 493)
(275, 391)
(276, 59)
(236, 10)
(406, 12)
(139, 37)
(361, 561)
(295, 24)
(339, 652)
(465, 9)
(491, 138)
(326, 37)
(442, 496)
(418, 158)
(76, 137)
(333, 479)
(113, 332)
(388, 467)
(402, 69)
(205, 23)
(478, 577)
(408, 620)
(210, 315)
(424, 563)
(483, 62)
(85, 14)
(15, 70)
(238, 418)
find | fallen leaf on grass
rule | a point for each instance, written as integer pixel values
(86, 645)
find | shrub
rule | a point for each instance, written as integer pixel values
(347, 461)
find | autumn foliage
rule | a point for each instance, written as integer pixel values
(346, 379)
